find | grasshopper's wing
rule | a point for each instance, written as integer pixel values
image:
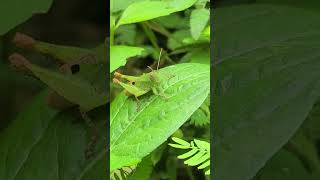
(134, 89)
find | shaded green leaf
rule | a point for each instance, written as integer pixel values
(284, 165)
(51, 143)
(266, 82)
(19, 139)
(13, 13)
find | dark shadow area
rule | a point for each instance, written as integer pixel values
(54, 90)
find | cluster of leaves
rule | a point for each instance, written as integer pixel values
(266, 90)
(138, 135)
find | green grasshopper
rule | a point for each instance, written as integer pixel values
(83, 80)
(140, 85)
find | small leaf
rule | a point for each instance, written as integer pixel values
(202, 144)
(198, 21)
(193, 160)
(178, 146)
(180, 141)
(23, 10)
(204, 157)
(146, 10)
(187, 154)
(207, 172)
(204, 165)
(120, 54)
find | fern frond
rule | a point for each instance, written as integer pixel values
(122, 173)
(198, 155)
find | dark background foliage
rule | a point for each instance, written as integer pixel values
(298, 158)
(75, 23)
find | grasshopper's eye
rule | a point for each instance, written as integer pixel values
(133, 83)
(75, 68)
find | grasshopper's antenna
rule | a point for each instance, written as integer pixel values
(159, 59)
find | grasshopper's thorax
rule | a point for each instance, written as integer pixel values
(154, 77)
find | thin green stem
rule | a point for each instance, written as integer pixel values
(151, 36)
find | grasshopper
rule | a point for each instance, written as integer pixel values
(82, 81)
(140, 85)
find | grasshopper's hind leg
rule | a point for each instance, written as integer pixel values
(126, 77)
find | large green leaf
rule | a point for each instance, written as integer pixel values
(266, 82)
(14, 12)
(146, 10)
(137, 132)
(42, 144)
(19, 139)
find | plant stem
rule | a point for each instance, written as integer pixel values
(154, 41)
